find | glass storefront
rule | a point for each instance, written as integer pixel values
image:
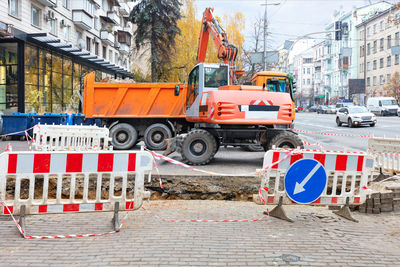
(8, 77)
(53, 81)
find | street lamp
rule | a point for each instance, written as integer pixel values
(265, 31)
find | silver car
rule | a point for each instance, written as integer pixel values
(355, 116)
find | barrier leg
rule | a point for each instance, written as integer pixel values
(279, 212)
(115, 220)
(345, 212)
(381, 176)
(22, 213)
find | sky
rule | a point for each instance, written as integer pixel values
(290, 19)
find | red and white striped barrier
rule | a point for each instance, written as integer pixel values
(387, 154)
(347, 173)
(23, 233)
(80, 180)
(70, 138)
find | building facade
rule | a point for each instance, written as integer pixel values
(303, 65)
(377, 63)
(47, 46)
(341, 60)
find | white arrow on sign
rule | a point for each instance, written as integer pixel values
(300, 187)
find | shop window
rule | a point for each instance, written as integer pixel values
(8, 77)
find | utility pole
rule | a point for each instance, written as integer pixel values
(266, 31)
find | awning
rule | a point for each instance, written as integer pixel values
(82, 56)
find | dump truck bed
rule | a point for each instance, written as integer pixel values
(131, 100)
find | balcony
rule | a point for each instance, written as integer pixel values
(124, 9)
(107, 37)
(49, 3)
(82, 19)
(128, 29)
(113, 17)
(124, 49)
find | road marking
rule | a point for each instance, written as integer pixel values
(320, 126)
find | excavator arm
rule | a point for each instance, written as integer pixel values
(226, 51)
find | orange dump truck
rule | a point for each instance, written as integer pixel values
(198, 116)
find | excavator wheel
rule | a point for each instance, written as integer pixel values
(198, 147)
(285, 139)
(155, 135)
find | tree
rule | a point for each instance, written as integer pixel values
(185, 57)
(156, 22)
(393, 88)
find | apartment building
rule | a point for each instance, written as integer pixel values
(378, 60)
(321, 96)
(303, 65)
(47, 46)
(341, 59)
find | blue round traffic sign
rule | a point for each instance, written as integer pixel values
(305, 181)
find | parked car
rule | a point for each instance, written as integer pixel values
(322, 109)
(355, 116)
(312, 109)
(383, 106)
(331, 109)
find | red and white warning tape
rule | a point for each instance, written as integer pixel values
(206, 221)
(23, 131)
(332, 134)
(62, 236)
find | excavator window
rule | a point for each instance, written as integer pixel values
(193, 86)
(278, 85)
(216, 77)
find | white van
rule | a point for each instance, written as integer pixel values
(382, 105)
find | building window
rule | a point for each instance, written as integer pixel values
(35, 16)
(66, 4)
(308, 70)
(381, 63)
(368, 49)
(374, 65)
(381, 80)
(308, 81)
(375, 27)
(374, 81)
(67, 33)
(304, 82)
(389, 42)
(368, 81)
(389, 61)
(13, 8)
(368, 65)
(375, 45)
(110, 55)
(96, 48)
(304, 70)
(388, 78)
(382, 25)
(382, 42)
(104, 52)
(8, 77)
(397, 37)
(53, 26)
(88, 41)
(396, 59)
(368, 31)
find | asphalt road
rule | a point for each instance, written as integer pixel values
(239, 162)
(386, 126)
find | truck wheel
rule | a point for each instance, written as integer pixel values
(198, 147)
(155, 135)
(124, 136)
(286, 139)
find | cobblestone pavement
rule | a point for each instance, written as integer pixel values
(317, 237)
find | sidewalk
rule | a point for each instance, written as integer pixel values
(317, 237)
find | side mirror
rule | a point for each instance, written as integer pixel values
(177, 90)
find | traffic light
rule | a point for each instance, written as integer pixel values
(338, 30)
